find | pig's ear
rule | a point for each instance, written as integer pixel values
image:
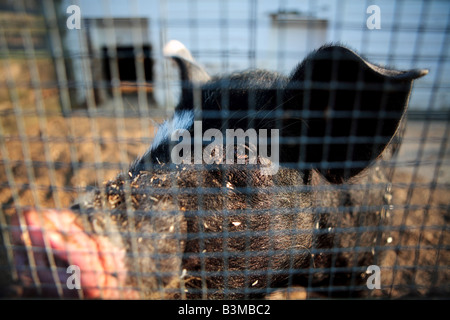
(191, 73)
(350, 109)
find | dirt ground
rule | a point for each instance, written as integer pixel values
(68, 154)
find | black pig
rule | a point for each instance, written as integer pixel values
(165, 230)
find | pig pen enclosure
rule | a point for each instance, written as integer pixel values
(358, 208)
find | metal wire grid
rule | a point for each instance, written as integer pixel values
(23, 189)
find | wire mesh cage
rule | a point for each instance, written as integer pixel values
(305, 152)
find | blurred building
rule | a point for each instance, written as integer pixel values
(233, 35)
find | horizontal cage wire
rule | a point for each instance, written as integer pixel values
(174, 149)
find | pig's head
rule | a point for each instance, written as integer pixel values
(166, 229)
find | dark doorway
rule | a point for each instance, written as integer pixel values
(127, 64)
